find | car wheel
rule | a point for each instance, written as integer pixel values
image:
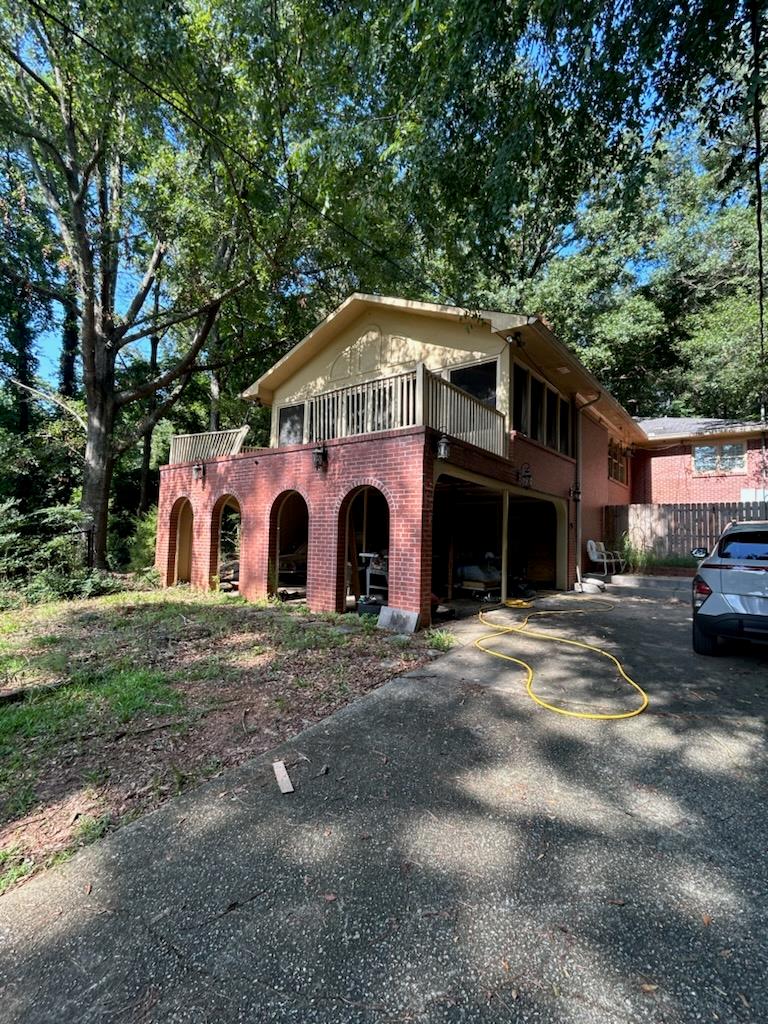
(703, 643)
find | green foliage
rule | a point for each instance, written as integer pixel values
(142, 546)
(439, 639)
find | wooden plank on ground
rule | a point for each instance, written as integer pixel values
(283, 779)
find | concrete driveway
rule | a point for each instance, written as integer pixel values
(452, 853)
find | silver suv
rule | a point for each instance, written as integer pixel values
(730, 589)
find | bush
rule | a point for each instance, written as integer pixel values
(141, 549)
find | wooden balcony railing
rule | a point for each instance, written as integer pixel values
(199, 447)
(417, 398)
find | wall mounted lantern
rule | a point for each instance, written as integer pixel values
(443, 448)
(320, 457)
(574, 492)
(198, 471)
(524, 475)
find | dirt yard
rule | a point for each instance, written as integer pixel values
(161, 690)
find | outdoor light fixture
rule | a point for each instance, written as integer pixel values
(524, 475)
(198, 471)
(443, 448)
(320, 457)
(574, 492)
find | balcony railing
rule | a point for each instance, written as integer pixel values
(418, 398)
(198, 447)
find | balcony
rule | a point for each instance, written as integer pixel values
(414, 399)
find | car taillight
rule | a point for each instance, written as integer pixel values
(701, 591)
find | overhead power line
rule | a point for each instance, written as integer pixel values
(405, 272)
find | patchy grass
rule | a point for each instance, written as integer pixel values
(439, 639)
(163, 690)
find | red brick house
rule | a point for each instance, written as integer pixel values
(700, 460)
(416, 450)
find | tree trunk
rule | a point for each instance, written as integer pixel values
(146, 453)
(97, 481)
(215, 419)
(20, 338)
(70, 342)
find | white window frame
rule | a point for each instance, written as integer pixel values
(719, 470)
(548, 387)
(620, 458)
(446, 372)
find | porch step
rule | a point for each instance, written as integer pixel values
(651, 586)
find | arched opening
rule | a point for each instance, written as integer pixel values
(226, 529)
(289, 547)
(180, 547)
(364, 534)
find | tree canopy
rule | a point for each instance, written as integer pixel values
(186, 188)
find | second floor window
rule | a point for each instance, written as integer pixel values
(291, 425)
(478, 381)
(540, 411)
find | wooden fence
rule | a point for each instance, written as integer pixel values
(672, 530)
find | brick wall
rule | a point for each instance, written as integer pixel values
(665, 476)
(391, 462)
(400, 465)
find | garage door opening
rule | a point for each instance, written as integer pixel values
(466, 543)
(533, 547)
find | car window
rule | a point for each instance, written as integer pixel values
(752, 545)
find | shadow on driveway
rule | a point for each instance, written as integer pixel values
(451, 853)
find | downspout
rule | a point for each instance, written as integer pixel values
(577, 481)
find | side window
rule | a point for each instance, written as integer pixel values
(565, 427)
(552, 403)
(520, 399)
(537, 410)
(617, 462)
(730, 457)
(291, 425)
(478, 381)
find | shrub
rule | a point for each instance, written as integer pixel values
(141, 548)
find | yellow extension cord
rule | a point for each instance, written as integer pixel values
(522, 629)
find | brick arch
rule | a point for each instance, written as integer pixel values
(215, 531)
(275, 507)
(188, 540)
(352, 486)
(341, 513)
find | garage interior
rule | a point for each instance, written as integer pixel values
(467, 548)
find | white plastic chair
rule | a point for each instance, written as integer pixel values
(609, 560)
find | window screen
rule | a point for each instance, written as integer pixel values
(291, 420)
(565, 427)
(751, 546)
(537, 409)
(552, 401)
(520, 399)
(478, 381)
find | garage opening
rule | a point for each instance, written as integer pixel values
(226, 532)
(466, 543)
(533, 548)
(288, 568)
(366, 561)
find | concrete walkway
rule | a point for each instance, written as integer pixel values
(452, 853)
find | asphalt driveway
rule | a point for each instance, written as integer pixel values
(451, 853)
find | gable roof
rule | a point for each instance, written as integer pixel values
(549, 352)
(348, 311)
(684, 427)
